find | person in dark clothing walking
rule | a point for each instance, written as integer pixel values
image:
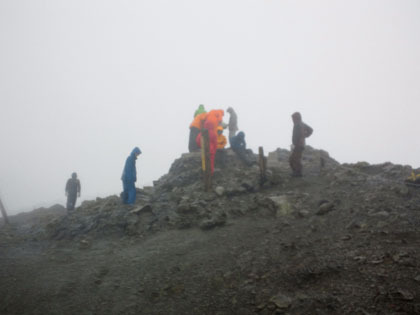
(129, 177)
(72, 191)
(300, 132)
(238, 145)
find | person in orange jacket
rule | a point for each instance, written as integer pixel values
(215, 116)
(221, 143)
(195, 128)
(221, 139)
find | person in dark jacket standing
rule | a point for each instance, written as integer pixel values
(72, 191)
(129, 177)
(300, 132)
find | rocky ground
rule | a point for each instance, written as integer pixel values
(343, 239)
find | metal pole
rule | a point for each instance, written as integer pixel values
(3, 212)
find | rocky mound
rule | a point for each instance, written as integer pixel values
(342, 239)
(178, 200)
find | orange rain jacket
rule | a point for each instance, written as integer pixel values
(214, 117)
(198, 121)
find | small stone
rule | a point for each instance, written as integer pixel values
(405, 294)
(282, 205)
(379, 214)
(396, 257)
(303, 213)
(325, 208)
(301, 296)
(381, 224)
(84, 244)
(377, 261)
(417, 278)
(186, 208)
(219, 190)
(213, 222)
(261, 306)
(361, 259)
(271, 306)
(142, 209)
(403, 191)
(281, 301)
(353, 225)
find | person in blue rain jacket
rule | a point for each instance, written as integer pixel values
(129, 177)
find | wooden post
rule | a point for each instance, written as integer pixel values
(321, 164)
(3, 212)
(262, 162)
(205, 155)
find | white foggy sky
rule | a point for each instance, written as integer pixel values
(83, 82)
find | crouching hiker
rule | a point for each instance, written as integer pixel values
(238, 145)
(221, 143)
(300, 132)
(129, 177)
(72, 191)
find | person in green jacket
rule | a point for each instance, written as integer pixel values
(200, 110)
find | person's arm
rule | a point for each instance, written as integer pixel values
(128, 169)
(78, 188)
(66, 190)
(132, 167)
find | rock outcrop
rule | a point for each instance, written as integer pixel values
(342, 239)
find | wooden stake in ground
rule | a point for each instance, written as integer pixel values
(3, 212)
(205, 156)
(262, 162)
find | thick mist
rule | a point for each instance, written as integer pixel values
(84, 82)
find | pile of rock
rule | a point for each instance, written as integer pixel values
(178, 199)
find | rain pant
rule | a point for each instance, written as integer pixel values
(295, 160)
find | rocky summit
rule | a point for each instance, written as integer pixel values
(343, 239)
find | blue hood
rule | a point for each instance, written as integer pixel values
(135, 151)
